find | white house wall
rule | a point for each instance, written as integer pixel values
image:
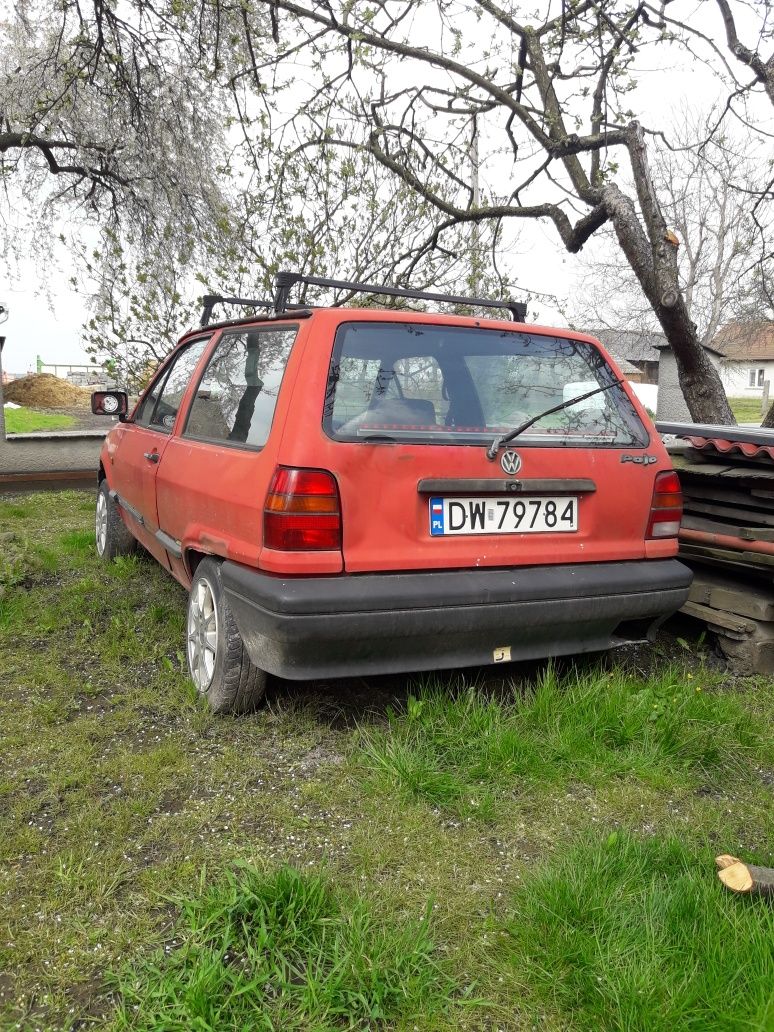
(735, 376)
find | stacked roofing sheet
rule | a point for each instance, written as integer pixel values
(727, 475)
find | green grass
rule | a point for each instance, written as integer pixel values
(279, 952)
(466, 750)
(746, 410)
(405, 819)
(27, 421)
(631, 933)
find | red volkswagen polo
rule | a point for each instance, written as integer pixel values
(349, 491)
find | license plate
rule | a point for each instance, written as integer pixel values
(533, 515)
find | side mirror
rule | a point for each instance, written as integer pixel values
(110, 403)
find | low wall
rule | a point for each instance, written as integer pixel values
(62, 454)
(52, 452)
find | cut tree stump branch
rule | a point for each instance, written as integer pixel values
(744, 878)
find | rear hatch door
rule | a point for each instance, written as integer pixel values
(411, 412)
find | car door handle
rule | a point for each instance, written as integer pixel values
(152, 456)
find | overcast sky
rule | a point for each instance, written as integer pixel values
(46, 315)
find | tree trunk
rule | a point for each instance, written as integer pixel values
(768, 422)
(655, 266)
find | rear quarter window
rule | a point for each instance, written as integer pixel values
(237, 394)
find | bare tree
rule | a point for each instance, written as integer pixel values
(104, 115)
(762, 67)
(550, 100)
(144, 128)
(323, 214)
(704, 180)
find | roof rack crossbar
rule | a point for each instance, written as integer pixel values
(210, 300)
(285, 281)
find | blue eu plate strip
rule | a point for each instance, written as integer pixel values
(437, 526)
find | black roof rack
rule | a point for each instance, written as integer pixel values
(285, 281)
(210, 300)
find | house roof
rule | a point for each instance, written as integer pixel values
(624, 364)
(713, 347)
(633, 345)
(746, 341)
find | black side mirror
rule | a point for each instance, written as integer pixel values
(110, 403)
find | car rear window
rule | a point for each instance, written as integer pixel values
(237, 394)
(465, 385)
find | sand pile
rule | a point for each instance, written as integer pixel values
(42, 390)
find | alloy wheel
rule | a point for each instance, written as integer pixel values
(202, 635)
(101, 523)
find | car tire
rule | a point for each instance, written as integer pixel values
(218, 663)
(112, 536)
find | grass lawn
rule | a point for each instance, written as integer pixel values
(746, 410)
(27, 421)
(451, 852)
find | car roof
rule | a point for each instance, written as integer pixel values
(338, 315)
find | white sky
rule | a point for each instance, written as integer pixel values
(46, 314)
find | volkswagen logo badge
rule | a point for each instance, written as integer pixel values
(511, 462)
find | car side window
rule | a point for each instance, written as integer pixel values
(236, 397)
(158, 409)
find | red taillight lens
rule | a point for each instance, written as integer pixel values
(302, 511)
(666, 509)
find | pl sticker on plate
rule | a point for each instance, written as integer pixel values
(502, 655)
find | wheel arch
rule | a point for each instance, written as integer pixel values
(192, 557)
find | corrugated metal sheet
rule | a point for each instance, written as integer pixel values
(713, 431)
(716, 445)
(742, 442)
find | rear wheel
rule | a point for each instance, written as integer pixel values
(218, 662)
(110, 532)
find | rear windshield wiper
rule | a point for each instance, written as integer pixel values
(498, 442)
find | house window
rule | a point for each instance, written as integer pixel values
(756, 377)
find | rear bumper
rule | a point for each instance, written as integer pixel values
(310, 627)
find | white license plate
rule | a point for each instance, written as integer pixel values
(533, 515)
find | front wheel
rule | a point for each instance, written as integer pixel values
(111, 535)
(218, 662)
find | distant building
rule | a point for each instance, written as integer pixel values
(748, 357)
(742, 353)
(638, 348)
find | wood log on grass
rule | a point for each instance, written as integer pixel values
(745, 878)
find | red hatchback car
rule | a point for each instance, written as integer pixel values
(349, 492)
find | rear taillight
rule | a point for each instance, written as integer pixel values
(302, 511)
(666, 509)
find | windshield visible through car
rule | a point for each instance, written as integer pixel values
(464, 385)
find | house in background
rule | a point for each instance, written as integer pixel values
(634, 348)
(742, 353)
(748, 357)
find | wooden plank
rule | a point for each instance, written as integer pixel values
(733, 569)
(715, 527)
(749, 473)
(717, 618)
(751, 519)
(749, 500)
(739, 596)
(750, 560)
(51, 476)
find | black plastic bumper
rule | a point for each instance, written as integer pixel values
(310, 627)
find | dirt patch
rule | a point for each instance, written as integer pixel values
(45, 391)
